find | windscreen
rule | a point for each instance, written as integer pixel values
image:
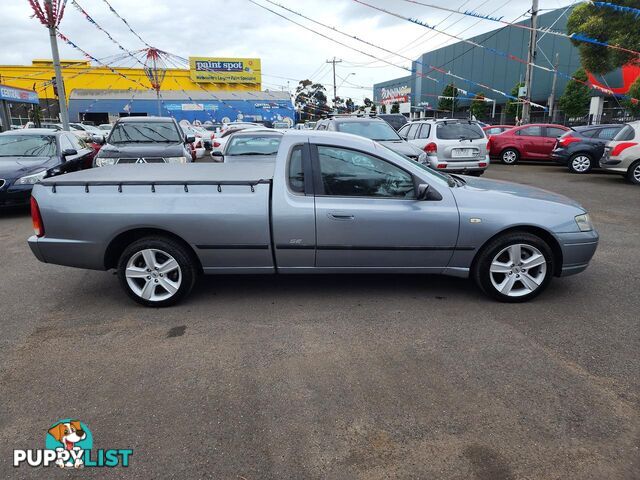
(375, 130)
(145, 132)
(253, 145)
(456, 131)
(27, 145)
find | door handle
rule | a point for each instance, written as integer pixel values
(340, 216)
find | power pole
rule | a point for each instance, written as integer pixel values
(62, 97)
(531, 57)
(552, 97)
(335, 87)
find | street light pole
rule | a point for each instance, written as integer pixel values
(531, 56)
(335, 87)
(62, 97)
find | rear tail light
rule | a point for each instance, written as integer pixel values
(441, 165)
(564, 142)
(38, 226)
(618, 149)
(431, 148)
(482, 164)
(216, 144)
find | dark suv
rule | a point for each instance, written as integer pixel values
(145, 140)
(581, 149)
(375, 129)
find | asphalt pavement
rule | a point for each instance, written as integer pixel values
(337, 377)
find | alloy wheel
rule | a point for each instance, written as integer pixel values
(509, 156)
(636, 173)
(581, 163)
(153, 275)
(518, 270)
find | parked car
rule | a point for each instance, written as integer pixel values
(281, 125)
(451, 145)
(145, 140)
(197, 147)
(580, 149)
(249, 145)
(495, 129)
(374, 129)
(396, 120)
(622, 154)
(330, 203)
(29, 155)
(220, 140)
(528, 142)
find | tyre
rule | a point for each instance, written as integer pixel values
(580, 163)
(514, 267)
(633, 174)
(157, 271)
(510, 156)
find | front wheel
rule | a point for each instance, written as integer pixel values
(510, 156)
(157, 271)
(633, 174)
(514, 267)
(580, 163)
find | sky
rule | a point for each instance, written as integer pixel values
(238, 28)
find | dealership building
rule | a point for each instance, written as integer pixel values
(211, 90)
(418, 95)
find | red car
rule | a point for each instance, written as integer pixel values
(534, 141)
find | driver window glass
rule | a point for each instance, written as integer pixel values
(65, 143)
(531, 131)
(413, 129)
(348, 173)
(403, 131)
(424, 131)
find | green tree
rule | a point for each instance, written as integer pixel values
(383, 108)
(395, 107)
(450, 102)
(575, 99)
(373, 108)
(634, 92)
(609, 26)
(513, 107)
(310, 99)
(479, 107)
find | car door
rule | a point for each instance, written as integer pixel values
(530, 139)
(368, 217)
(421, 136)
(80, 146)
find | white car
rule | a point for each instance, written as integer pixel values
(622, 154)
(198, 145)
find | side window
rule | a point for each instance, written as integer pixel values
(413, 130)
(554, 132)
(296, 170)
(424, 131)
(403, 131)
(348, 173)
(78, 144)
(65, 143)
(608, 133)
(534, 131)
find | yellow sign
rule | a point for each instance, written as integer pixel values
(225, 70)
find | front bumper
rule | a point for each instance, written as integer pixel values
(462, 167)
(15, 195)
(577, 250)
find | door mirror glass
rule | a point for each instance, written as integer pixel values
(190, 139)
(97, 139)
(69, 152)
(423, 191)
(217, 156)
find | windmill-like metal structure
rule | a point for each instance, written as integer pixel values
(155, 69)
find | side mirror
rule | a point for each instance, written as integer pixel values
(207, 144)
(190, 139)
(69, 152)
(217, 156)
(97, 139)
(425, 192)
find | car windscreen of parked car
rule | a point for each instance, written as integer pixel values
(456, 131)
(27, 145)
(253, 145)
(144, 132)
(375, 130)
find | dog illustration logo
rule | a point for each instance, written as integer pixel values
(72, 436)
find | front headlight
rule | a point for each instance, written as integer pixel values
(175, 159)
(31, 179)
(104, 161)
(584, 222)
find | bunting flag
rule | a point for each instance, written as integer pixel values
(618, 8)
(113, 10)
(580, 38)
(95, 24)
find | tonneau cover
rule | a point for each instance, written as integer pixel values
(188, 173)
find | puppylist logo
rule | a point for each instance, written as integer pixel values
(69, 444)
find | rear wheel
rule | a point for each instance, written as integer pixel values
(580, 163)
(510, 156)
(157, 271)
(633, 174)
(514, 267)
